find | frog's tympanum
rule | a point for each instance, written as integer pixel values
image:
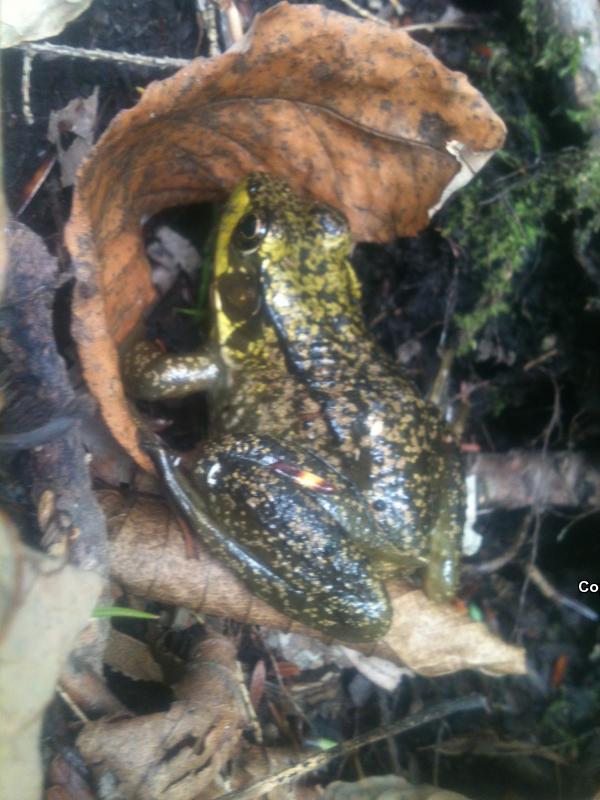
(326, 473)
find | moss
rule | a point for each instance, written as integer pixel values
(584, 185)
(569, 720)
(499, 233)
(505, 217)
(552, 50)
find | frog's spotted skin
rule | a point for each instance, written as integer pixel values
(295, 561)
(304, 374)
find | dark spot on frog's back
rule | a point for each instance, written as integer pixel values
(385, 105)
(434, 130)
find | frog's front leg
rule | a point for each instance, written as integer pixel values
(257, 507)
(148, 373)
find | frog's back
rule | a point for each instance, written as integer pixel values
(390, 441)
(356, 409)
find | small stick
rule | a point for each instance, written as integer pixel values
(71, 704)
(438, 712)
(363, 12)
(494, 564)
(234, 19)
(398, 8)
(207, 12)
(549, 591)
(34, 48)
(438, 26)
(26, 88)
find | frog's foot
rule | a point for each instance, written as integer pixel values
(443, 560)
(270, 512)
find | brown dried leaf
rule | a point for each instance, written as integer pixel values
(257, 683)
(304, 652)
(79, 118)
(45, 407)
(131, 657)
(352, 113)
(37, 19)
(89, 691)
(43, 606)
(65, 782)
(253, 764)
(148, 557)
(177, 753)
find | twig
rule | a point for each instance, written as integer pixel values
(563, 531)
(532, 558)
(437, 26)
(494, 564)
(71, 704)
(26, 89)
(35, 48)
(207, 12)
(531, 570)
(556, 414)
(535, 362)
(233, 17)
(438, 712)
(398, 7)
(363, 12)
(548, 590)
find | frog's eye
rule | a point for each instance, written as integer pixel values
(249, 233)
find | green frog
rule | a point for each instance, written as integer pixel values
(326, 472)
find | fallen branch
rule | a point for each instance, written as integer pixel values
(63, 50)
(521, 479)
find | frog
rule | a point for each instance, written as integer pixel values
(326, 473)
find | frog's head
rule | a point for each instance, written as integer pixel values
(283, 259)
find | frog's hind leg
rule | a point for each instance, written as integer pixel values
(280, 543)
